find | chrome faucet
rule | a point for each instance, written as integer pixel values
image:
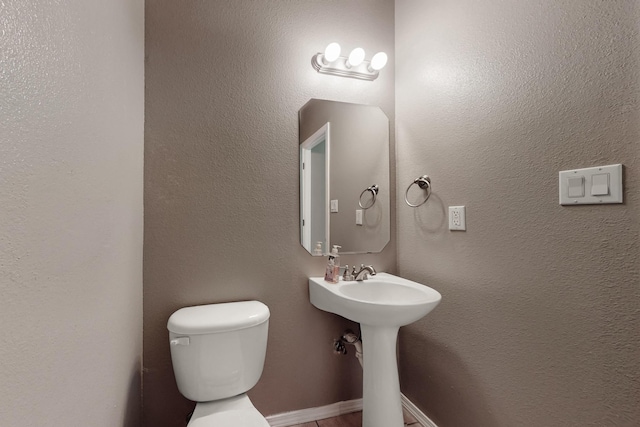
(364, 273)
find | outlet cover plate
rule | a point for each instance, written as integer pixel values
(457, 218)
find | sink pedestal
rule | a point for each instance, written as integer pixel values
(381, 402)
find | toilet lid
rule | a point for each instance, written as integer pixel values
(234, 418)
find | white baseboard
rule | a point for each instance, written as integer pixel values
(312, 414)
(416, 412)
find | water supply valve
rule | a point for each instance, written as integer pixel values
(339, 347)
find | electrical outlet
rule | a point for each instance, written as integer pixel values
(457, 218)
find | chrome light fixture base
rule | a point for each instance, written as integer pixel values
(340, 67)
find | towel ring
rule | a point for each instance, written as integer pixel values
(423, 182)
(374, 192)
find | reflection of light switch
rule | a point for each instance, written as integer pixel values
(576, 186)
(334, 206)
(600, 184)
(358, 216)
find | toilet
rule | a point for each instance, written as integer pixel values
(218, 352)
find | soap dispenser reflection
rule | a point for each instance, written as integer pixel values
(318, 249)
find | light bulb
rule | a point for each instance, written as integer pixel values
(378, 61)
(332, 52)
(356, 57)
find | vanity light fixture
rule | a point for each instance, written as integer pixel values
(354, 65)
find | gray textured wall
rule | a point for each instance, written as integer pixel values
(540, 314)
(224, 82)
(71, 146)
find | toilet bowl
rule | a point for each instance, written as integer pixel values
(218, 353)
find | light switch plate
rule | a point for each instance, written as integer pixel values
(595, 181)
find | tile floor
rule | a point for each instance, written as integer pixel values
(353, 419)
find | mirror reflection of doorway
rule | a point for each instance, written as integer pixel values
(314, 190)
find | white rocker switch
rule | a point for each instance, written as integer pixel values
(600, 184)
(576, 186)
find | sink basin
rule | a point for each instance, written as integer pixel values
(382, 300)
(381, 304)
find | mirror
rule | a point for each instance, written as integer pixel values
(344, 177)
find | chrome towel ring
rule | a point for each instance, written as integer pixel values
(423, 182)
(374, 192)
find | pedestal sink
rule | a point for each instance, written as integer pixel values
(381, 305)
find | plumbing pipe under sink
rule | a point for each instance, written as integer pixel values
(353, 339)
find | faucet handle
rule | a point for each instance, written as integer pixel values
(364, 273)
(348, 277)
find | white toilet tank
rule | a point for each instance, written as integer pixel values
(218, 350)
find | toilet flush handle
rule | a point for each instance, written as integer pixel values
(180, 341)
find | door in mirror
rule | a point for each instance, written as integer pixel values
(314, 191)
